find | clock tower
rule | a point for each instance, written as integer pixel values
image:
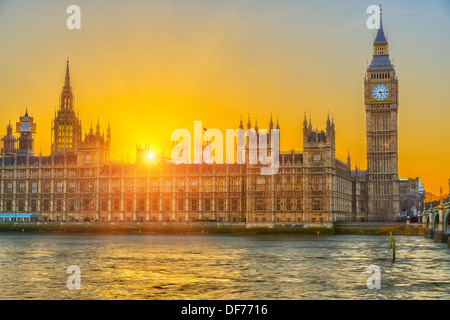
(381, 103)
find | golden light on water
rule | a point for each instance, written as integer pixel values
(220, 267)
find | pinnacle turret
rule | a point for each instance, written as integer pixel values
(67, 80)
(66, 97)
(271, 122)
(97, 129)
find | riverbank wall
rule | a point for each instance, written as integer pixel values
(217, 228)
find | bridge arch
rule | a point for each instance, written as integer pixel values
(447, 222)
(436, 221)
(427, 221)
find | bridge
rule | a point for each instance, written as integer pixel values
(436, 222)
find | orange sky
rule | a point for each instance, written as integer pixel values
(152, 67)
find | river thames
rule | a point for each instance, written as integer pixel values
(34, 266)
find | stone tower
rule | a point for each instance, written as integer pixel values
(319, 161)
(9, 142)
(381, 103)
(26, 128)
(66, 129)
(94, 149)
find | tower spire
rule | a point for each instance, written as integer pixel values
(328, 121)
(380, 39)
(97, 128)
(67, 80)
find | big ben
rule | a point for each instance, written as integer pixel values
(381, 103)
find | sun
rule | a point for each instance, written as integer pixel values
(150, 156)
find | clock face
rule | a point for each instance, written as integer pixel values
(24, 127)
(380, 92)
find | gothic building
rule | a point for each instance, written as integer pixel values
(312, 186)
(78, 181)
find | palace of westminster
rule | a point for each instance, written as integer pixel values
(79, 182)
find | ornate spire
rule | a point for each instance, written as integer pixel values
(256, 124)
(66, 97)
(9, 129)
(441, 204)
(380, 38)
(67, 81)
(271, 122)
(278, 126)
(108, 133)
(380, 61)
(241, 125)
(249, 125)
(97, 131)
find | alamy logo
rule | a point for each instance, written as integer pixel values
(74, 20)
(374, 280)
(74, 280)
(373, 22)
(263, 147)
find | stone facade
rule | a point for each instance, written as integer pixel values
(310, 186)
(78, 181)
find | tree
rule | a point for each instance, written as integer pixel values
(407, 204)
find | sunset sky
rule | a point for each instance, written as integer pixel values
(150, 67)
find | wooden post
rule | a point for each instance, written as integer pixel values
(393, 249)
(390, 236)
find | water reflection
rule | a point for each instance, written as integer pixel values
(33, 266)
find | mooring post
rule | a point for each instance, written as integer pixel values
(393, 249)
(390, 241)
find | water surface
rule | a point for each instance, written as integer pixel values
(34, 266)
